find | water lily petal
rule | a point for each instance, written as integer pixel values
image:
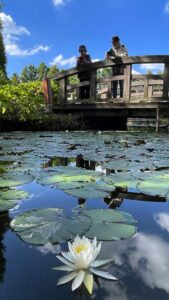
(67, 256)
(101, 262)
(103, 274)
(78, 280)
(66, 262)
(63, 268)
(67, 278)
(88, 282)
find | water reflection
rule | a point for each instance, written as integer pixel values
(162, 219)
(4, 223)
(115, 199)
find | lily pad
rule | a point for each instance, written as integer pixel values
(49, 226)
(154, 187)
(13, 194)
(9, 198)
(7, 204)
(14, 180)
(87, 193)
(110, 224)
(123, 180)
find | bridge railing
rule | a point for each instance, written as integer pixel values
(136, 88)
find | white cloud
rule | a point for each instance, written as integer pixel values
(61, 61)
(134, 72)
(95, 59)
(162, 219)
(157, 67)
(60, 2)
(12, 34)
(166, 9)
(49, 248)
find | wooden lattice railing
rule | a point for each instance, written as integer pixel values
(137, 88)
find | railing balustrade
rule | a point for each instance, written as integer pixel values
(137, 87)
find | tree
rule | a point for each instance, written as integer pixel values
(29, 73)
(52, 71)
(3, 60)
(15, 79)
(42, 71)
(149, 72)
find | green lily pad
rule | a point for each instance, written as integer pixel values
(7, 204)
(65, 178)
(13, 194)
(87, 193)
(123, 180)
(154, 187)
(49, 225)
(10, 180)
(110, 224)
(9, 199)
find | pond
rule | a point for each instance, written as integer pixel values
(68, 176)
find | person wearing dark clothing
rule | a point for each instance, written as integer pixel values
(84, 59)
(117, 50)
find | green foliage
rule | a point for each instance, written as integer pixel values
(42, 71)
(52, 71)
(3, 59)
(23, 100)
(3, 78)
(15, 79)
(29, 73)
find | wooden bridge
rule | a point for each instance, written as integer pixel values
(144, 95)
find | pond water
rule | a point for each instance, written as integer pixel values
(141, 262)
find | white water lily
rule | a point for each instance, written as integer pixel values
(81, 262)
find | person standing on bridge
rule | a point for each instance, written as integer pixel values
(84, 59)
(116, 51)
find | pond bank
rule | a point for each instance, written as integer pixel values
(60, 122)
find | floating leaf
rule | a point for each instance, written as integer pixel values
(8, 199)
(13, 194)
(7, 204)
(154, 187)
(123, 180)
(110, 224)
(87, 193)
(49, 226)
(14, 180)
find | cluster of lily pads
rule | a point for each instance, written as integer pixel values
(10, 197)
(50, 225)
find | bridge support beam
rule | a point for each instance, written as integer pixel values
(157, 118)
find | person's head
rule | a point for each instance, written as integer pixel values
(82, 49)
(115, 41)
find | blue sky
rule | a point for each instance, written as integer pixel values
(50, 31)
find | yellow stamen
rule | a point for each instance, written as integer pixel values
(79, 248)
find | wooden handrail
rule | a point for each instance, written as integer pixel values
(129, 80)
(162, 59)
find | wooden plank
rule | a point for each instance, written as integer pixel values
(93, 85)
(62, 91)
(146, 82)
(47, 91)
(150, 91)
(127, 83)
(108, 63)
(157, 118)
(166, 80)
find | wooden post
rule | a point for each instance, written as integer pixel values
(150, 91)
(47, 91)
(127, 83)
(109, 90)
(146, 82)
(166, 80)
(62, 90)
(92, 85)
(157, 118)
